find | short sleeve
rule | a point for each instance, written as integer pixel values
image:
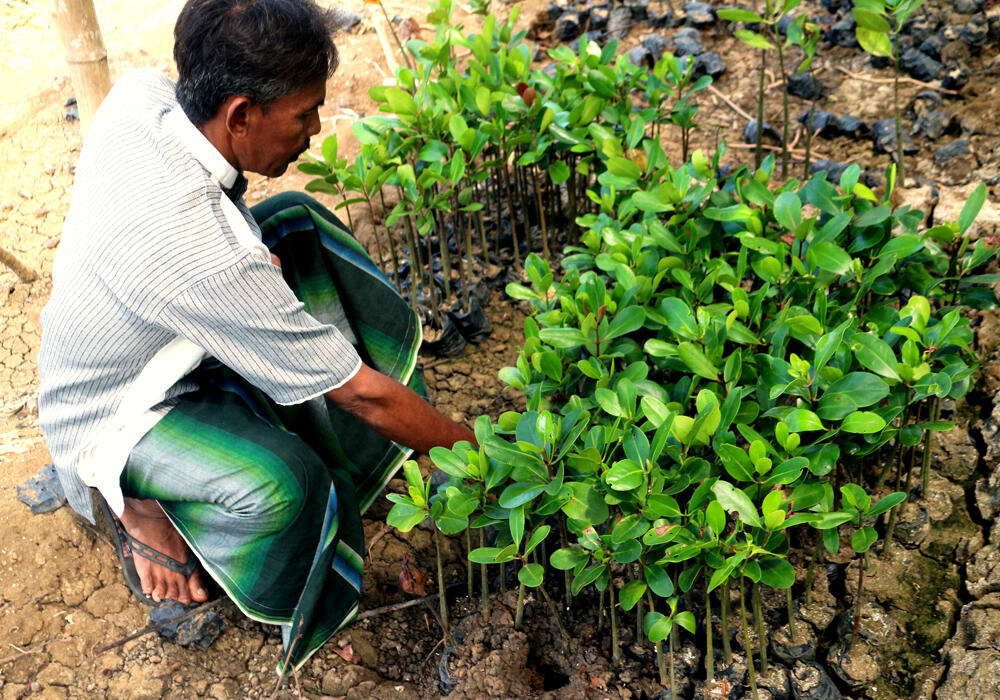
(248, 318)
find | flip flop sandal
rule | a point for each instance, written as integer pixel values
(126, 546)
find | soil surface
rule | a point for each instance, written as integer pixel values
(930, 628)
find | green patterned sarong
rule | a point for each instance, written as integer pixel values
(270, 497)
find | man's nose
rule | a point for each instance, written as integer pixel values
(314, 125)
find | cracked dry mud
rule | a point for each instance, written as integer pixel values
(933, 611)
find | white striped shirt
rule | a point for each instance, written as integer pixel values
(160, 263)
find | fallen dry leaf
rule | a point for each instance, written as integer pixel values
(408, 29)
(346, 653)
(411, 579)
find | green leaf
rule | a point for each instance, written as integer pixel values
(587, 576)
(874, 216)
(736, 501)
(971, 207)
(631, 593)
(777, 573)
(715, 516)
(564, 338)
(875, 354)
(629, 319)
(608, 401)
(851, 392)
(650, 203)
(405, 516)
(567, 558)
(625, 475)
(450, 463)
(659, 581)
(800, 420)
(518, 494)
(753, 39)
(531, 575)
(692, 356)
(484, 555)
(863, 422)
(863, 539)
(875, 43)
(685, 619)
(559, 172)
(737, 15)
(585, 504)
(788, 210)
(887, 503)
(871, 20)
(657, 626)
(516, 522)
(830, 257)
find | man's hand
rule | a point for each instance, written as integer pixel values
(276, 260)
(397, 412)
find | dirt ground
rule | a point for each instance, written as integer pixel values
(61, 593)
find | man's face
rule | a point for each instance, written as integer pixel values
(278, 133)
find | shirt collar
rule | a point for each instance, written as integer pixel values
(228, 177)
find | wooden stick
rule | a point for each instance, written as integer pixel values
(390, 57)
(23, 272)
(85, 53)
(865, 78)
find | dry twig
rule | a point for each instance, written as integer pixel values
(160, 625)
(865, 78)
(729, 103)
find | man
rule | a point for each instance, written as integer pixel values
(226, 409)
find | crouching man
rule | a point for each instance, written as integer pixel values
(225, 388)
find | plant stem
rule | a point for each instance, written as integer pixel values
(445, 256)
(857, 603)
(758, 618)
(482, 238)
(809, 135)
(759, 151)
(484, 580)
(442, 601)
(616, 652)
(378, 241)
(512, 211)
(709, 650)
(541, 216)
(564, 543)
(790, 604)
(392, 244)
(900, 167)
(469, 570)
(925, 467)
(600, 611)
(784, 104)
(519, 614)
(727, 651)
(746, 643)
(661, 665)
(817, 559)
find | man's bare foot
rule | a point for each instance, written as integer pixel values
(145, 521)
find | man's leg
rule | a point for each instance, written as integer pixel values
(248, 497)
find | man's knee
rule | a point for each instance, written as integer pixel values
(277, 491)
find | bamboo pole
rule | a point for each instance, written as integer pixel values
(85, 53)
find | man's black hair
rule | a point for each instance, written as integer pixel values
(260, 49)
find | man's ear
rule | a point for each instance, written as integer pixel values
(237, 113)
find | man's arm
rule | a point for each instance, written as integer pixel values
(397, 412)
